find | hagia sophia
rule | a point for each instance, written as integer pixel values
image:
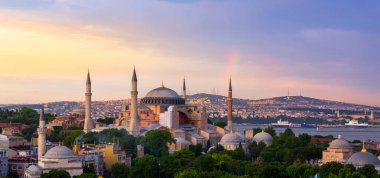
(163, 108)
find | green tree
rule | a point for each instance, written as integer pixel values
(330, 168)
(368, 170)
(255, 149)
(187, 174)
(196, 149)
(87, 175)
(56, 134)
(119, 170)
(156, 142)
(56, 173)
(13, 175)
(145, 167)
(220, 124)
(28, 132)
(271, 131)
(69, 140)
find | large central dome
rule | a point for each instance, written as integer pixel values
(163, 96)
(162, 92)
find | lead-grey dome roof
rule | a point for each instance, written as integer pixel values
(363, 158)
(231, 138)
(263, 137)
(162, 92)
(59, 152)
(340, 142)
(163, 96)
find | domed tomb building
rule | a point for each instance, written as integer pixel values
(339, 150)
(232, 141)
(263, 137)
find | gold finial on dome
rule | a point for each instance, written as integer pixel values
(162, 84)
(364, 149)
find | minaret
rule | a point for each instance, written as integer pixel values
(184, 89)
(229, 103)
(41, 135)
(88, 123)
(134, 122)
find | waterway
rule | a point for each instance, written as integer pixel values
(348, 133)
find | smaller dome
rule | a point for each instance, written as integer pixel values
(363, 158)
(33, 168)
(59, 152)
(340, 142)
(231, 138)
(263, 137)
(182, 141)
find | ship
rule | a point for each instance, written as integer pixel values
(282, 124)
(287, 124)
(356, 124)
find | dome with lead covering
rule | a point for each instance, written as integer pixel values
(340, 142)
(231, 138)
(59, 152)
(263, 137)
(163, 96)
(162, 92)
(363, 158)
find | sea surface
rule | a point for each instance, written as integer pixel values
(347, 133)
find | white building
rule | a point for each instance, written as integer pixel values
(59, 157)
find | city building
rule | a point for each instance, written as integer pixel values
(3, 162)
(12, 128)
(114, 154)
(20, 164)
(339, 150)
(9, 142)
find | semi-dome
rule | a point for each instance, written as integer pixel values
(363, 158)
(340, 143)
(162, 96)
(231, 138)
(263, 137)
(59, 152)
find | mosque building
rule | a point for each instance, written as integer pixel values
(164, 108)
(58, 157)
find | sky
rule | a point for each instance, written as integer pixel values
(323, 49)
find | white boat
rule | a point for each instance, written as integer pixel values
(283, 124)
(356, 124)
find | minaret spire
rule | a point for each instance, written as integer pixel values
(184, 89)
(134, 121)
(88, 122)
(229, 103)
(41, 134)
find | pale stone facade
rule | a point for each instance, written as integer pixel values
(88, 122)
(339, 151)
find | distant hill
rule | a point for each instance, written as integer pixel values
(282, 101)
